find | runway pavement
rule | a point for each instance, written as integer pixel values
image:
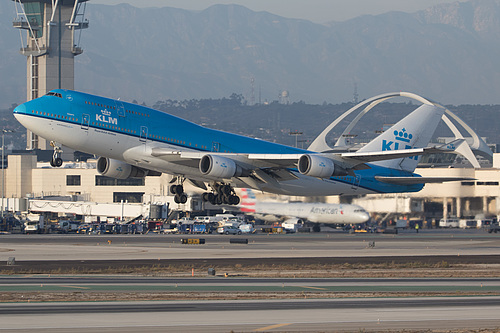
(247, 316)
(325, 286)
(297, 315)
(140, 247)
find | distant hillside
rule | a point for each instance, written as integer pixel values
(449, 53)
(275, 121)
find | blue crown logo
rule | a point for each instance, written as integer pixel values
(403, 135)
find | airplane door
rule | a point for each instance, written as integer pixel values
(120, 108)
(355, 182)
(85, 121)
(215, 146)
(144, 134)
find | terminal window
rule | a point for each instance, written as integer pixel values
(131, 197)
(73, 180)
(488, 183)
(108, 181)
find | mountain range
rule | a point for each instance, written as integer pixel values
(449, 53)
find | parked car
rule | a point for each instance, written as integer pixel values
(229, 230)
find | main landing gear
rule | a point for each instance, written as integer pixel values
(56, 160)
(180, 197)
(222, 194)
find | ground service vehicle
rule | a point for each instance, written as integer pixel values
(228, 230)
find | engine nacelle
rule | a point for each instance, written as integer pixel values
(294, 220)
(219, 167)
(119, 170)
(316, 166)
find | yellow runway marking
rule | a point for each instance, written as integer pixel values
(73, 287)
(313, 288)
(270, 327)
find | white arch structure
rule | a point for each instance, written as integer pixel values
(467, 150)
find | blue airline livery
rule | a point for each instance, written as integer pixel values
(136, 141)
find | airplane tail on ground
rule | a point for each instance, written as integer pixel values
(248, 201)
(413, 131)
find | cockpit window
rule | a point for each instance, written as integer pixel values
(51, 93)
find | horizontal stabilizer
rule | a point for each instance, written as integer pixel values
(419, 180)
(364, 157)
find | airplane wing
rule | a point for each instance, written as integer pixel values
(256, 160)
(276, 164)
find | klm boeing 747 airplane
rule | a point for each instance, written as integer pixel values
(136, 141)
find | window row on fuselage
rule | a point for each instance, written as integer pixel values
(52, 115)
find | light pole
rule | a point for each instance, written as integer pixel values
(3, 166)
(296, 133)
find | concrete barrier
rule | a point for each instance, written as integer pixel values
(238, 241)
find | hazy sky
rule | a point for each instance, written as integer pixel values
(315, 10)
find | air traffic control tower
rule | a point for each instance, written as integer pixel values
(50, 45)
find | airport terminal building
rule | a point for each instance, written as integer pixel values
(80, 181)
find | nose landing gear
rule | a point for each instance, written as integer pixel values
(56, 160)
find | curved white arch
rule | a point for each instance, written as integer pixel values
(319, 144)
(478, 144)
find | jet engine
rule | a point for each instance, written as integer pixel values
(121, 170)
(319, 167)
(294, 220)
(219, 167)
(316, 166)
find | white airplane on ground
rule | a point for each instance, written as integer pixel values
(299, 212)
(134, 141)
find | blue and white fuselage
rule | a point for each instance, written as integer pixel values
(149, 139)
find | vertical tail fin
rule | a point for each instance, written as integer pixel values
(413, 131)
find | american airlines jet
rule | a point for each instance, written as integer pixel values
(134, 141)
(302, 212)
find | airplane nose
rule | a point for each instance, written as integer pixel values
(20, 109)
(365, 217)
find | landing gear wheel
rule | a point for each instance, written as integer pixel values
(58, 162)
(237, 200)
(218, 199)
(316, 228)
(222, 194)
(207, 196)
(180, 198)
(177, 189)
(226, 190)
